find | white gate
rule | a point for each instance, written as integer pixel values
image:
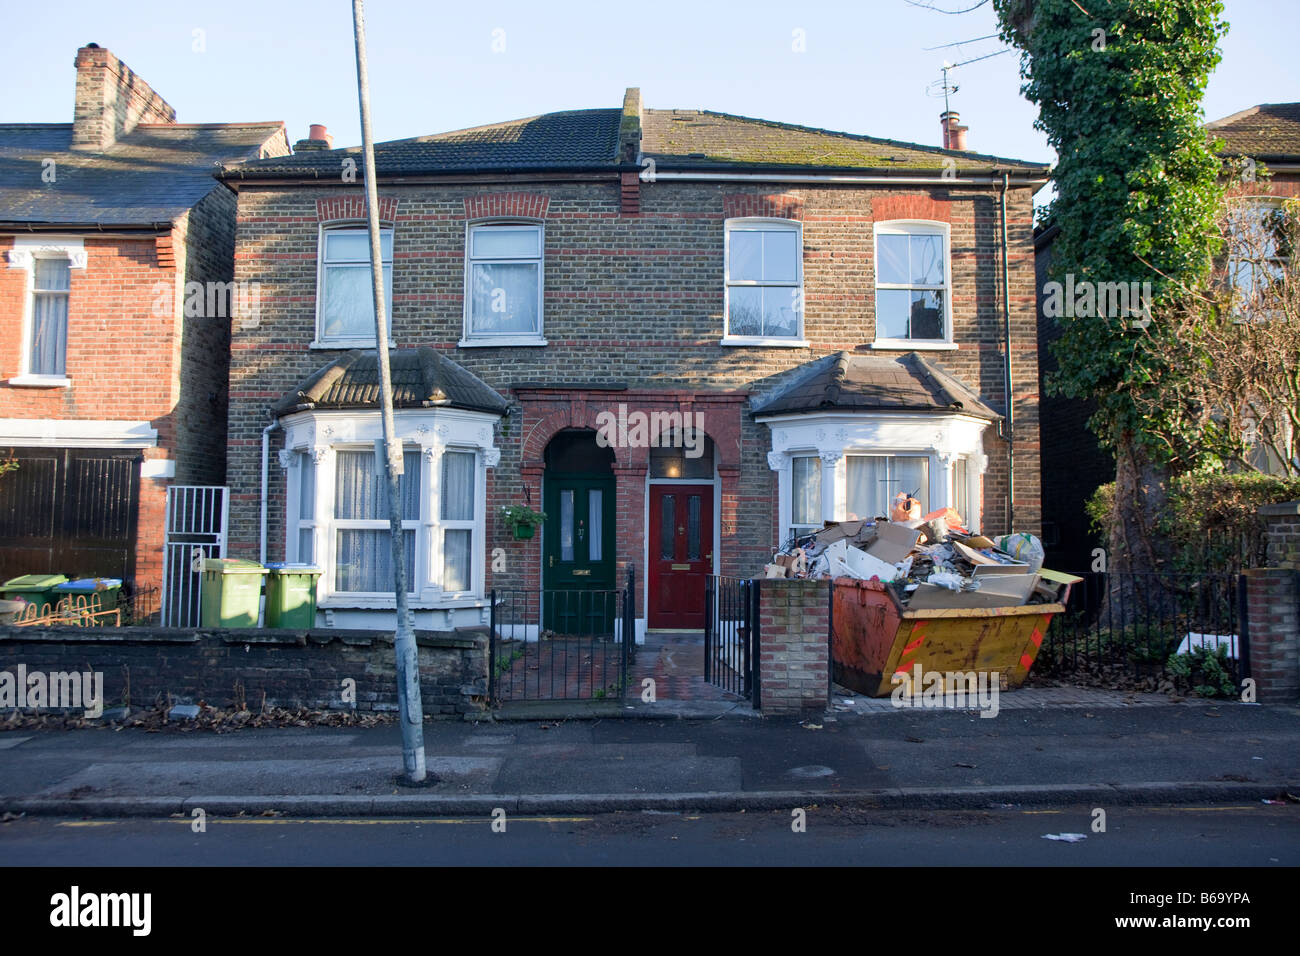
(196, 529)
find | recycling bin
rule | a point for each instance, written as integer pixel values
(90, 594)
(37, 589)
(874, 636)
(231, 592)
(291, 595)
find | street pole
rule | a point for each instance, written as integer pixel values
(408, 663)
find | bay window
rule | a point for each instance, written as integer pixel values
(337, 505)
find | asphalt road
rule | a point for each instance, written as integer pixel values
(1246, 835)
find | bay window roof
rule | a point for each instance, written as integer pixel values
(422, 378)
(849, 382)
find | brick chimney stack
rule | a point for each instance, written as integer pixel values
(954, 135)
(111, 100)
(317, 138)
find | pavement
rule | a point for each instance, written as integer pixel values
(1090, 748)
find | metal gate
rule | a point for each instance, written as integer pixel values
(731, 635)
(196, 529)
(559, 644)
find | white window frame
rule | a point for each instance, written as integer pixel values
(803, 529)
(317, 436)
(929, 460)
(469, 337)
(911, 227)
(323, 341)
(439, 526)
(23, 255)
(335, 524)
(748, 223)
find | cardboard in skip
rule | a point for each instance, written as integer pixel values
(997, 590)
(855, 563)
(893, 542)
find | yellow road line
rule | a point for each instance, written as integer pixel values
(332, 822)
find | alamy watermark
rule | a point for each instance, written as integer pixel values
(953, 690)
(210, 300)
(657, 429)
(56, 690)
(1085, 299)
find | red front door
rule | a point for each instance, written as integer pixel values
(681, 554)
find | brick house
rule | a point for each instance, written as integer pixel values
(112, 374)
(680, 334)
(1073, 463)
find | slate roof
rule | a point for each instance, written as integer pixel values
(151, 175)
(674, 139)
(1267, 131)
(845, 381)
(422, 378)
(576, 139)
(699, 139)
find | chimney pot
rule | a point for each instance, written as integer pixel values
(954, 135)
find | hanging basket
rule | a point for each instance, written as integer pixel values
(524, 530)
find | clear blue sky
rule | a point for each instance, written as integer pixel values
(864, 68)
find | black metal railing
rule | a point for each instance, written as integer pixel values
(1128, 624)
(731, 630)
(559, 644)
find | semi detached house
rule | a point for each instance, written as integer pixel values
(681, 335)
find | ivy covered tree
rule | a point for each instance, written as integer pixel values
(1118, 84)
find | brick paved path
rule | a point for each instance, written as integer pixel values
(676, 663)
(588, 669)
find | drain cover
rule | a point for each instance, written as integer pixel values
(813, 770)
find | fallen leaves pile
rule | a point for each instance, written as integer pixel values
(216, 719)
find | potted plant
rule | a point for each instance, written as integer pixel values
(522, 519)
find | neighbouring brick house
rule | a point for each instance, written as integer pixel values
(1073, 464)
(829, 309)
(112, 376)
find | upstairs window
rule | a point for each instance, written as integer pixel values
(764, 281)
(51, 280)
(503, 277)
(1259, 255)
(912, 284)
(345, 299)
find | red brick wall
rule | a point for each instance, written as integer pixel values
(130, 354)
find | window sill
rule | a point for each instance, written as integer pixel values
(909, 345)
(764, 341)
(343, 345)
(501, 341)
(423, 603)
(40, 381)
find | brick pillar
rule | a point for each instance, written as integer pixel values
(630, 535)
(1273, 608)
(793, 660)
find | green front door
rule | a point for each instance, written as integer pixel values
(578, 554)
